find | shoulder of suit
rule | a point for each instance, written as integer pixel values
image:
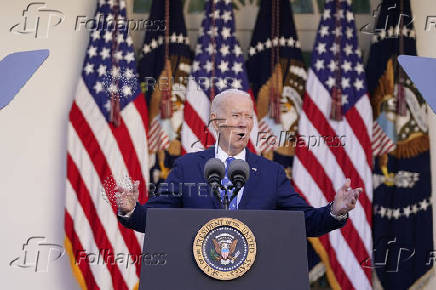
(264, 162)
(191, 157)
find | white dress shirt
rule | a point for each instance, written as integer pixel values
(221, 155)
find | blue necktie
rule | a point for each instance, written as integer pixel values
(226, 182)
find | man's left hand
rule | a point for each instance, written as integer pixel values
(345, 199)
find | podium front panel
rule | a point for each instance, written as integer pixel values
(168, 262)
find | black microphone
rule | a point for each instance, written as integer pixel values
(238, 172)
(214, 171)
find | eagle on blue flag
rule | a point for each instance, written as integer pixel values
(402, 210)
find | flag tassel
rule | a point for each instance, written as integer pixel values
(115, 111)
(166, 108)
(274, 106)
(336, 108)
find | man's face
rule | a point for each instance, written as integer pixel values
(235, 121)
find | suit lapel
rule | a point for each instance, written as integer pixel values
(251, 158)
(206, 155)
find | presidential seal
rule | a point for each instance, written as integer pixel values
(224, 248)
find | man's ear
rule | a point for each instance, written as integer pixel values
(214, 121)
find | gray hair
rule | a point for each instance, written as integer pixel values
(217, 101)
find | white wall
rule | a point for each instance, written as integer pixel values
(33, 144)
(33, 133)
(426, 46)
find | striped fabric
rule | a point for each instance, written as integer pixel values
(381, 143)
(104, 254)
(319, 171)
(159, 140)
(268, 141)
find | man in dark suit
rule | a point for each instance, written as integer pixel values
(267, 187)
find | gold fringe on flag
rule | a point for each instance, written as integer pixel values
(77, 273)
(413, 146)
(263, 98)
(158, 96)
(384, 90)
(319, 249)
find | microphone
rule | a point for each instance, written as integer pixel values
(238, 172)
(214, 171)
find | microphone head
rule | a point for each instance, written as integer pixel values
(239, 170)
(215, 167)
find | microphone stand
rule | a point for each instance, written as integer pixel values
(225, 202)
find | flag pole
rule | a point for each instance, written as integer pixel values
(166, 109)
(336, 107)
(401, 102)
(274, 106)
(212, 56)
(115, 99)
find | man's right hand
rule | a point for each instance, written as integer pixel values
(126, 199)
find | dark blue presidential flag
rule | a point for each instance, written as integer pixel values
(164, 69)
(402, 216)
(279, 86)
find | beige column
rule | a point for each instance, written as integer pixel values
(425, 12)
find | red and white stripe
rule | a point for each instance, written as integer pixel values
(159, 139)
(318, 172)
(196, 135)
(266, 141)
(381, 143)
(96, 152)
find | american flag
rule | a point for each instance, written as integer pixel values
(218, 65)
(107, 145)
(337, 71)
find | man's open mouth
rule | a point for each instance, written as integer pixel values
(241, 135)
